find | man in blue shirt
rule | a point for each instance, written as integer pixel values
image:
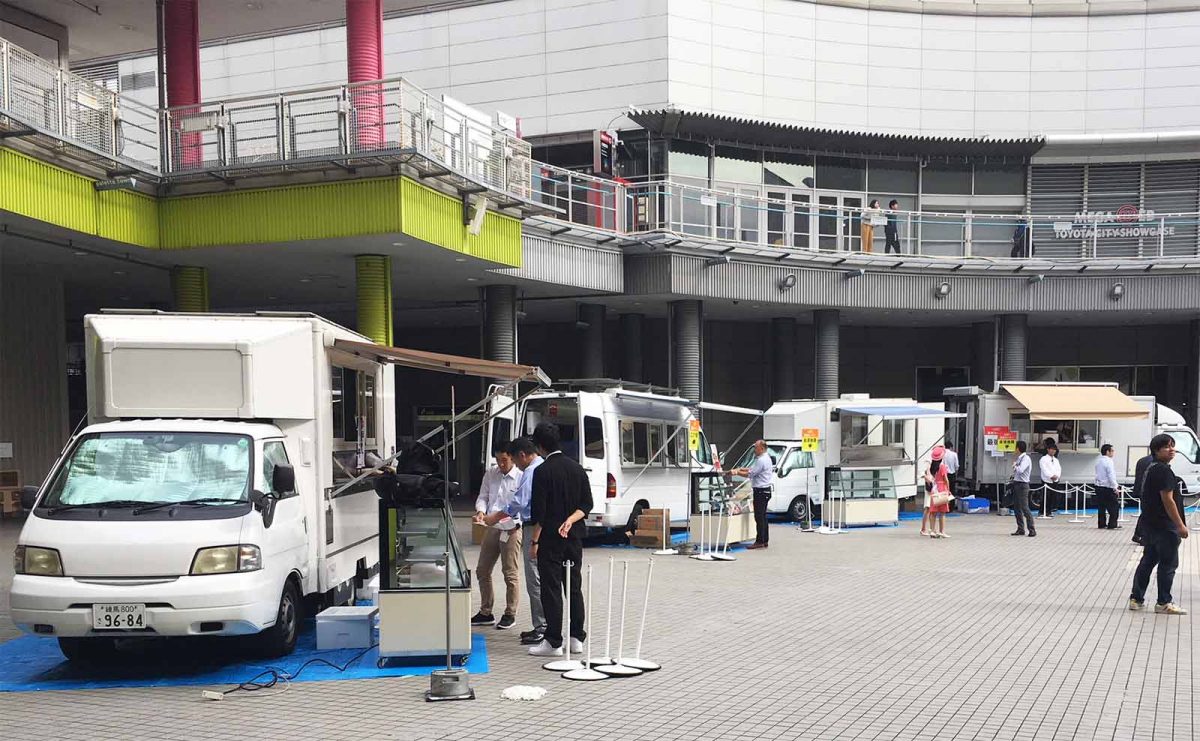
(762, 483)
(525, 456)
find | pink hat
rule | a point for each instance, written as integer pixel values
(939, 453)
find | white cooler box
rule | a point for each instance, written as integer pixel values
(346, 627)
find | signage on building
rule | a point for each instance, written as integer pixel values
(604, 152)
(1127, 221)
(693, 440)
(1007, 442)
(991, 437)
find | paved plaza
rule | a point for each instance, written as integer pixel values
(874, 634)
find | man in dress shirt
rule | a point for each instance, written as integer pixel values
(1050, 469)
(1020, 490)
(950, 461)
(1106, 489)
(497, 489)
(762, 483)
(525, 456)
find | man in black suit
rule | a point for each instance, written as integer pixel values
(562, 497)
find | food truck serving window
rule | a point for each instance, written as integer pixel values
(1070, 434)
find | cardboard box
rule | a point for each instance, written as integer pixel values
(10, 480)
(651, 523)
(640, 540)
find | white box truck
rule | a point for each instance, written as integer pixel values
(632, 441)
(1080, 417)
(197, 501)
(871, 449)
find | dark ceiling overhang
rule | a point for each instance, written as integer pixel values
(715, 129)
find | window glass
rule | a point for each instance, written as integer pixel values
(738, 165)
(154, 467)
(273, 454)
(593, 437)
(369, 403)
(501, 431)
(854, 429)
(1186, 445)
(747, 459)
(893, 431)
(1087, 434)
(1120, 375)
(948, 179)
(1000, 181)
(704, 454)
(688, 158)
(838, 173)
(641, 452)
(796, 459)
(655, 442)
(795, 170)
(891, 178)
(339, 426)
(627, 442)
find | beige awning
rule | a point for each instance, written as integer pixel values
(442, 363)
(1074, 401)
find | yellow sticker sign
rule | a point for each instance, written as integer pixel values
(1006, 442)
(693, 440)
(810, 439)
(694, 425)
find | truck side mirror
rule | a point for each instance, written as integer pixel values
(283, 479)
(28, 497)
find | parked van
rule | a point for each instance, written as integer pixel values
(869, 449)
(1080, 417)
(198, 500)
(633, 443)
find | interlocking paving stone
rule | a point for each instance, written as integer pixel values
(873, 634)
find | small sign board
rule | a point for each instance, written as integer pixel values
(694, 425)
(693, 440)
(991, 436)
(810, 439)
(1007, 442)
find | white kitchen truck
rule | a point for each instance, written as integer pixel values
(1080, 417)
(197, 501)
(865, 453)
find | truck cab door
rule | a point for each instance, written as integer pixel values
(286, 543)
(501, 421)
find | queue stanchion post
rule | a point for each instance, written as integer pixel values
(567, 664)
(1044, 512)
(618, 669)
(1121, 504)
(586, 673)
(1078, 502)
(721, 553)
(607, 658)
(637, 662)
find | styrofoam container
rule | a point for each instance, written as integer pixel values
(345, 627)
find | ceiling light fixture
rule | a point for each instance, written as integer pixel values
(1117, 291)
(942, 291)
(1037, 278)
(787, 282)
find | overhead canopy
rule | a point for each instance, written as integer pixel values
(709, 127)
(1074, 401)
(714, 407)
(457, 364)
(900, 412)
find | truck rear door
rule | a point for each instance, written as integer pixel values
(501, 420)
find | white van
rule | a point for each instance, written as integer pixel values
(198, 500)
(883, 440)
(633, 444)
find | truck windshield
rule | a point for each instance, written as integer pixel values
(136, 468)
(1185, 445)
(747, 459)
(563, 412)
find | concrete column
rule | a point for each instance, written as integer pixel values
(181, 32)
(593, 340)
(687, 348)
(189, 286)
(826, 348)
(983, 355)
(1014, 329)
(1193, 377)
(631, 347)
(373, 292)
(364, 62)
(783, 341)
(500, 323)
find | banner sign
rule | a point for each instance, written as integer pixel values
(810, 439)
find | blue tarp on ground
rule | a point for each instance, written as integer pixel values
(33, 663)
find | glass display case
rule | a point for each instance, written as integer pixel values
(721, 509)
(861, 496)
(412, 584)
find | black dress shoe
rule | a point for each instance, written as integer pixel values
(1032, 534)
(531, 640)
(1019, 532)
(1114, 527)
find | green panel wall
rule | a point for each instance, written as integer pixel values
(125, 216)
(342, 209)
(437, 218)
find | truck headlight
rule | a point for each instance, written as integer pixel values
(36, 561)
(226, 559)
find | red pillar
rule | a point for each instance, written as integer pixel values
(181, 26)
(364, 60)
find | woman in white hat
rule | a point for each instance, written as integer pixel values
(939, 496)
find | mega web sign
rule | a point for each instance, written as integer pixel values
(1127, 221)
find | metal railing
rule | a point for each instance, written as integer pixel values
(38, 95)
(392, 118)
(340, 122)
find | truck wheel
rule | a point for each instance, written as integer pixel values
(798, 510)
(88, 650)
(280, 638)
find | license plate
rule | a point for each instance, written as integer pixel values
(118, 617)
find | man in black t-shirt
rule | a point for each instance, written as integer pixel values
(1162, 527)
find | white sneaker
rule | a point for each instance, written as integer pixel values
(1169, 609)
(545, 649)
(576, 646)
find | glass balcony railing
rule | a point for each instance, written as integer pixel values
(393, 121)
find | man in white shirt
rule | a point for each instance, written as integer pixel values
(1022, 467)
(495, 493)
(950, 461)
(762, 482)
(1050, 469)
(1106, 489)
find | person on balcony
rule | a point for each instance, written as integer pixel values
(872, 217)
(891, 231)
